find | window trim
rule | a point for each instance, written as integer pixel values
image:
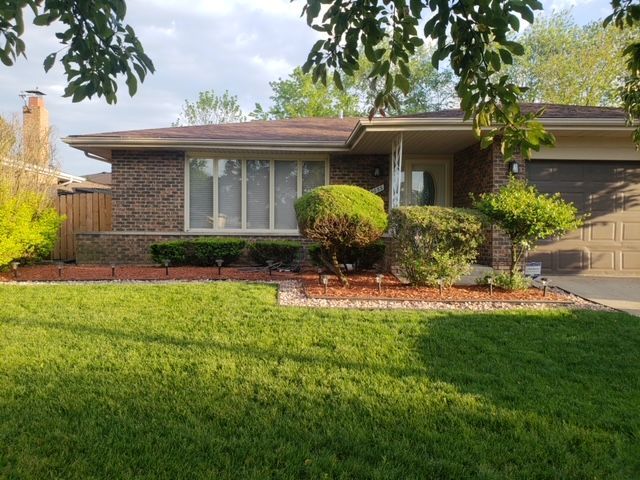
(243, 157)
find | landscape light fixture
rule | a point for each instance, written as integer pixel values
(165, 262)
(270, 267)
(60, 268)
(379, 278)
(514, 167)
(440, 285)
(113, 270)
(490, 282)
(544, 286)
(219, 263)
(325, 282)
(14, 266)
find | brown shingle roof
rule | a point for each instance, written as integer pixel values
(295, 129)
(551, 111)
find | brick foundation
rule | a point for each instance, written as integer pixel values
(477, 171)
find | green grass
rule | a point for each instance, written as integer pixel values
(215, 381)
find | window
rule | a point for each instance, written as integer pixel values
(251, 195)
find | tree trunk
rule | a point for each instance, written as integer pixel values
(336, 269)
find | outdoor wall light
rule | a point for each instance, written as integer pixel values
(166, 262)
(376, 172)
(490, 282)
(113, 270)
(14, 267)
(60, 268)
(219, 263)
(379, 278)
(514, 167)
(544, 282)
(325, 282)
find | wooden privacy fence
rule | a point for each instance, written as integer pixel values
(85, 212)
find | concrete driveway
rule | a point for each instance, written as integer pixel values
(622, 293)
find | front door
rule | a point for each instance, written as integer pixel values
(424, 182)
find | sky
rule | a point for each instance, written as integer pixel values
(235, 45)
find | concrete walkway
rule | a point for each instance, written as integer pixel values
(621, 293)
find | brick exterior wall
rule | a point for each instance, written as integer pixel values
(358, 170)
(478, 171)
(148, 202)
(148, 191)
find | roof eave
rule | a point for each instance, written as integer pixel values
(88, 142)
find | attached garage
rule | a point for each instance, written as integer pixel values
(609, 191)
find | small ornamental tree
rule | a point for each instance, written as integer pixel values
(339, 217)
(527, 216)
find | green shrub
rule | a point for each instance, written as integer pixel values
(363, 257)
(276, 250)
(506, 281)
(527, 216)
(340, 217)
(435, 243)
(200, 252)
(28, 231)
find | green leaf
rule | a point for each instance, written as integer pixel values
(49, 61)
(402, 83)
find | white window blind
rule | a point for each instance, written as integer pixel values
(229, 194)
(200, 193)
(258, 193)
(286, 192)
(312, 175)
(235, 194)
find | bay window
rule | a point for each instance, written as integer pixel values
(248, 194)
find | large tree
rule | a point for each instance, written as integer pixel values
(97, 46)
(571, 64)
(210, 108)
(299, 96)
(476, 38)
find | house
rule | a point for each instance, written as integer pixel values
(242, 179)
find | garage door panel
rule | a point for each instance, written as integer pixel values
(602, 260)
(631, 261)
(631, 231)
(631, 202)
(570, 260)
(609, 242)
(632, 176)
(603, 231)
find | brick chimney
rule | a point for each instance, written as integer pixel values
(35, 130)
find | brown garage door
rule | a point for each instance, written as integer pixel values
(609, 242)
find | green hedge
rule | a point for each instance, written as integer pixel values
(200, 252)
(435, 243)
(363, 257)
(276, 250)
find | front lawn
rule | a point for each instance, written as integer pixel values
(216, 381)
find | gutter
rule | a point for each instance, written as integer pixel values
(195, 144)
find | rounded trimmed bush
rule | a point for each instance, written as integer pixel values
(339, 217)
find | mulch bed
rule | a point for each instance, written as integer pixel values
(362, 286)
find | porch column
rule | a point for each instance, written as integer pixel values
(396, 170)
